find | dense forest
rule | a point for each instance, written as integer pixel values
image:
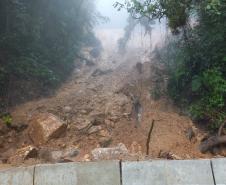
(195, 54)
(39, 41)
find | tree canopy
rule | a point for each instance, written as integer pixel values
(195, 55)
(39, 41)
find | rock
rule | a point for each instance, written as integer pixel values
(86, 158)
(97, 120)
(135, 148)
(59, 157)
(99, 72)
(83, 125)
(45, 154)
(3, 160)
(110, 153)
(71, 152)
(176, 157)
(190, 133)
(85, 112)
(114, 118)
(24, 154)
(110, 123)
(164, 155)
(94, 129)
(91, 138)
(45, 126)
(10, 140)
(30, 152)
(2, 142)
(105, 142)
(55, 156)
(3, 128)
(169, 155)
(202, 137)
(216, 150)
(188, 156)
(62, 145)
(104, 133)
(19, 127)
(67, 109)
(117, 106)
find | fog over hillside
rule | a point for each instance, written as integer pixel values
(110, 31)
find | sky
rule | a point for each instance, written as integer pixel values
(117, 18)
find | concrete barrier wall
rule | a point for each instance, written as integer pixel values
(188, 172)
(18, 176)
(219, 171)
(167, 173)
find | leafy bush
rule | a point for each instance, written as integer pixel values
(7, 119)
(198, 70)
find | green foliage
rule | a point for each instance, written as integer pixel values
(176, 12)
(7, 119)
(40, 39)
(196, 56)
(202, 82)
(212, 92)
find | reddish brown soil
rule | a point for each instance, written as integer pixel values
(97, 94)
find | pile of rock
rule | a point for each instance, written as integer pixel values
(43, 128)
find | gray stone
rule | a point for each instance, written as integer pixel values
(17, 176)
(67, 109)
(71, 152)
(114, 153)
(219, 169)
(83, 125)
(94, 129)
(55, 156)
(167, 173)
(104, 173)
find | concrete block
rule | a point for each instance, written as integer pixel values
(17, 176)
(219, 169)
(167, 173)
(102, 173)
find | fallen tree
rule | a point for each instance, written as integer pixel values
(213, 141)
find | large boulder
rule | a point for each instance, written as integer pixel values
(44, 127)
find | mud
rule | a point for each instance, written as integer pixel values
(106, 101)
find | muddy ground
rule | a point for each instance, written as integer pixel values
(124, 97)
